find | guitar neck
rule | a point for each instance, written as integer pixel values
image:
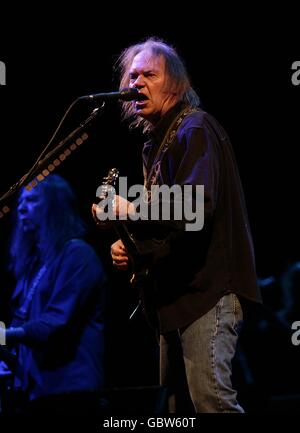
(126, 238)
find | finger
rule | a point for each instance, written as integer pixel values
(94, 207)
(117, 250)
(120, 262)
(120, 266)
(117, 258)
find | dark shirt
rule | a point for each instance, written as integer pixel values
(194, 269)
(64, 333)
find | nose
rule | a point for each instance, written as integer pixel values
(22, 208)
(139, 82)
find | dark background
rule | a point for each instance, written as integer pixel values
(241, 67)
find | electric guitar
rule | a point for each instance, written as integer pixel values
(139, 263)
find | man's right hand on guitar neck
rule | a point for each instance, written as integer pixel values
(119, 255)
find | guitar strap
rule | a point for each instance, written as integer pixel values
(155, 171)
(22, 313)
(152, 179)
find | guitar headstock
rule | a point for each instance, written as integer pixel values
(109, 183)
(112, 177)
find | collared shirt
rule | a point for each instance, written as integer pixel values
(64, 331)
(192, 270)
(157, 134)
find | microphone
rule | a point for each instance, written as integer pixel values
(125, 94)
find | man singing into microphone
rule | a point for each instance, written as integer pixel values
(200, 281)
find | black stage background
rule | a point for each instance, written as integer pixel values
(242, 71)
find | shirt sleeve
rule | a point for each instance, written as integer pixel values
(192, 165)
(199, 165)
(191, 169)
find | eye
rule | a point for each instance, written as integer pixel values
(32, 199)
(132, 76)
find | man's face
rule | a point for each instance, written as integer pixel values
(148, 75)
(31, 210)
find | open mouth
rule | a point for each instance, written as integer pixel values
(141, 102)
(142, 98)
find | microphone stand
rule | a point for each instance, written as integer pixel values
(51, 160)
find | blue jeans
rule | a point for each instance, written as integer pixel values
(196, 361)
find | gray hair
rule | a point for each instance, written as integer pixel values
(177, 78)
